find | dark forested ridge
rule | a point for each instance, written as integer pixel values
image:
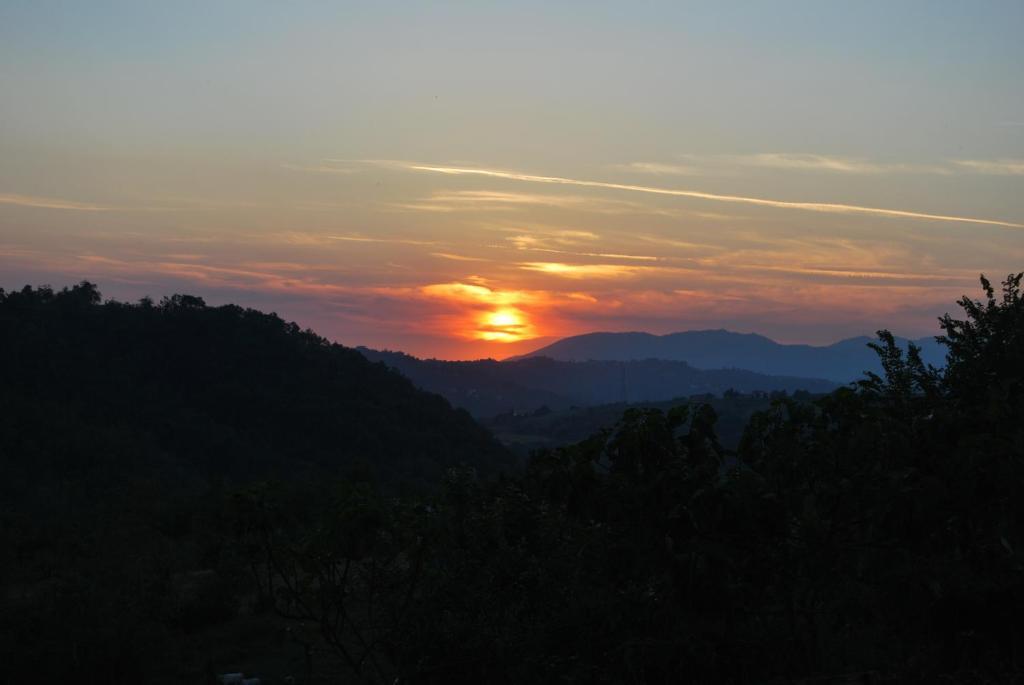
(841, 362)
(219, 392)
(487, 387)
(121, 429)
(870, 535)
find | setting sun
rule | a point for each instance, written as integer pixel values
(502, 181)
(504, 325)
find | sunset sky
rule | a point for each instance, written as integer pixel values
(473, 179)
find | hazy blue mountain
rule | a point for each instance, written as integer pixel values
(841, 362)
(488, 387)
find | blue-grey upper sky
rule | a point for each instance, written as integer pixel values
(470, 178)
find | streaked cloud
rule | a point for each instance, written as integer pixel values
(533, 244)
(170, 204)
(51, 203)
(537, 238)
(821, 207)
(679, 244)
(852, 273)
(657, 169)
(526, 242)
(458, 257)
(581, 270)
(846, 165)
(498, 201)
(310, 239)
(475, 292)
(616, 255)
(389, 241)
(319, 168)
(717, 165)
(993, 167)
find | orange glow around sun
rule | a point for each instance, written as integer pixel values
(488, 314)
(503, 325)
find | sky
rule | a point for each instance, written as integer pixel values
(476, 179)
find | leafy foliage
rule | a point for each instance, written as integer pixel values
(547, 427)
(874, 533)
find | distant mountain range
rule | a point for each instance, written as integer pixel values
(841, 362)
(487, 387)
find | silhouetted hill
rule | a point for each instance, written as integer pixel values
(488, 387)
(127, 432)
(841, 362)
(208, 393)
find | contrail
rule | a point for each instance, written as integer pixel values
(827, 207)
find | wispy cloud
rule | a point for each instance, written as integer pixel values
(809, 162)
(536, 235)
(51, 203)
(680, 244)
(561, 241)
(458, 257)
(498, 201)
(550, 240)
(533, 244)
(390, 241)
(657, 169)
(993, 167)
(846, 165)
(318, 168)
(169, 204)
(718, 165)
(482, 294)
(857, 274)
(526, 242)
(582, 270)
(309, 239)
(820, 207)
